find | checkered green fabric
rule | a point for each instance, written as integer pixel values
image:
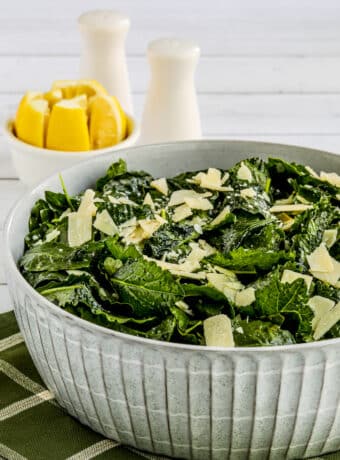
(32, 424)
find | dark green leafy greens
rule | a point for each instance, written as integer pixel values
(159, 276)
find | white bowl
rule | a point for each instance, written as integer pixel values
(184, 401)
(33, 164)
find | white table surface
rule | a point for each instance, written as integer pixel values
(269, 70)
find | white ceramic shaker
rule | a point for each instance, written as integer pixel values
(103, 53)
(171, 110)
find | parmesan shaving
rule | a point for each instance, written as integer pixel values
(65, 213)
(287, 221)
(149, 226)
(121, 200)
(320, 306)
(218, 331)
(212, 180)
(329, 237)
(148, 201)
(331, 277)
(320, 260)
(181, 212)
(248, 193)
(129, 223)
(192, 263)
(289, 276)
(143, 230)
(79, 229)
(245, 297)
(105, 224)
(87, 205)
(191, 198)
(331, 178)
(52, 235)
(296, 208)
(160, 219)
(312, 172)
(199, 203)
(327, 322)
(161, 185)
(226, 284)
(220, 217)
(180, 196)
(244, 173)
(184, 307)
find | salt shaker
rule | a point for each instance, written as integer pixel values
(171, 109)
(103, 52)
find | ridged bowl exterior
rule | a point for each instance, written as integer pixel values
(181, 401)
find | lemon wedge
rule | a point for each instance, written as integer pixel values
(108, 122)
(53, 96)
(31, 119)
(74, 115)
(67, 127)
(73, 88)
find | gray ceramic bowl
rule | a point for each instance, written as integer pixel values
(178, 400)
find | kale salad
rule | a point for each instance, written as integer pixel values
(248, 256)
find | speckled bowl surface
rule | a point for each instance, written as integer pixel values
(179, 400)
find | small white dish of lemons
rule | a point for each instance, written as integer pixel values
(74, 120)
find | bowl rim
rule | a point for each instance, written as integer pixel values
(84, 324)
(34, 150)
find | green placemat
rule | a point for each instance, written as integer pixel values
(32, 424)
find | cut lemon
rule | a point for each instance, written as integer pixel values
(73, 88)
(74, 115)
(67, 128)
(124, 119)
(108, 123)
(31, 119)
(53, 96)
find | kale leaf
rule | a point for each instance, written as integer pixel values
(260, 333)
(288, 300)
(238, 233)
(148, 289)
(309, 227)
(247, 260)
(58, 256)
(115, 170)
(169, 238)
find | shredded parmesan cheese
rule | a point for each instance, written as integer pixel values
(248, 193)
(105, 224)
(244, 173)
(218, 331)
(181, 212)
(212, 180)
(331, 178)
(289, 276)
(191, 198)
(245, 297)
(148, 201)
(320, 260)
(295, 208)
(161, 185)
(329, 237)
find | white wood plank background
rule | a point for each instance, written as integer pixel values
(269, 70)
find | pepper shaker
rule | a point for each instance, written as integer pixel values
(103, 52)
(171, 109)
